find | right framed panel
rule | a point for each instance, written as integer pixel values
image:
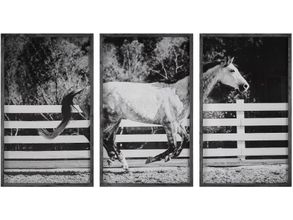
(245, 110)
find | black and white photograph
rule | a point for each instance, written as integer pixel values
(47, 109)
(146, 109)
(245, 109)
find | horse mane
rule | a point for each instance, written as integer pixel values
(209, 78)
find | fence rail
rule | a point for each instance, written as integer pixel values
(213, 156)
(42, 158)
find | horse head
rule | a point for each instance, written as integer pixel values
(229, 75)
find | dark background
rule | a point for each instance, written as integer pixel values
(262, 60)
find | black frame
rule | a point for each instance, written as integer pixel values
(190, 36)
(91, 67)
(289, 110)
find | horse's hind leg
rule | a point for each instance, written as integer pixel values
(115, 153)
(110, 145)
(108, 140)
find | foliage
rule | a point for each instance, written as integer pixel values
(125, 63)
(238, 47)
(171, 57)
(146, 59)
(42, 69)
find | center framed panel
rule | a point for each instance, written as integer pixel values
(146, 110)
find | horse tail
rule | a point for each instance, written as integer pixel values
(56, 132)
(67, 102)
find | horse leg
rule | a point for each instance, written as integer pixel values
(172, 142)
(159, 157)
(110, 151)
(113, 151)
(120, 155)
(184, 139)
(108, 141)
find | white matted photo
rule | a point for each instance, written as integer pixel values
(146, 109)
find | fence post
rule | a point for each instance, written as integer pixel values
(240, 128)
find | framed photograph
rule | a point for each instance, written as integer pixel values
(245, 109)
(47, 109)
(146, 110)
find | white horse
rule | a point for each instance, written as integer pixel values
(156, 103)
(225, 72)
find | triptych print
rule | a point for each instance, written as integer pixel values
(146, 110)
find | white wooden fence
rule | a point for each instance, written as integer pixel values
(43, 159)
(241, 152)
(136, 157)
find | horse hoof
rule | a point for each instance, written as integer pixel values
(178, 152)
(149, 160)
(167, 158)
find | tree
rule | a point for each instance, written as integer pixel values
(42, 69)
(125, 63)
(171, 58)
(145, 59)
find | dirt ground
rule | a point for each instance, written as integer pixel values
(58, 178)
(258, 174)
(147, 175)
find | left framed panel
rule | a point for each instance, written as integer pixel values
(47, 110)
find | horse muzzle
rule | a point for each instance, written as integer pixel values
(243, 87)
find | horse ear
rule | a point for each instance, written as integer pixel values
(231, 60)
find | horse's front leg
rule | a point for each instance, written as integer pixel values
(172, 143)
(159, 157)
(184, 139)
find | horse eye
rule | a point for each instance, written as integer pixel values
(232, 71)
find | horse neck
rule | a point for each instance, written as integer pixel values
(210, 79)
